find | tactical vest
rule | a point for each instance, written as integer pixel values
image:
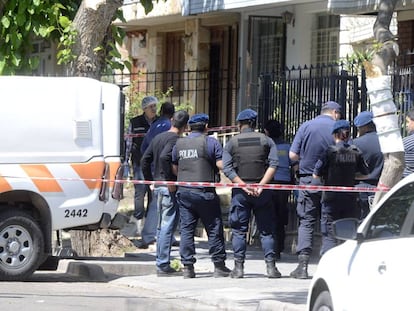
(250, 152)
(342, 166)
(342, 163)
(283, 168)
(139, 126)
(193, 161)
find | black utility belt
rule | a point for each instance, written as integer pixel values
(304, 175)
(194, 189)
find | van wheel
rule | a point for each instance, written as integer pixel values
(323, 302)
(21, 245)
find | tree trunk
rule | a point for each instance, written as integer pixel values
(394, 160)
(91, 23)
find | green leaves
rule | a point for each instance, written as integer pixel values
(25, 21)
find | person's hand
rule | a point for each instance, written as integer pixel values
(249, 190)
(258, 191)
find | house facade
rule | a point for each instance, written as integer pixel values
(213, 52)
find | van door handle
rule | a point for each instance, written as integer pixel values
(382, 268)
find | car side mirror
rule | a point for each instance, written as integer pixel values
(345, 229)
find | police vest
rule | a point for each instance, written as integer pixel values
(283, 168)
(139, 126)
(250, 153)
(342, 165)
(193, 161)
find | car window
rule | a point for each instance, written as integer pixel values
(389, 219)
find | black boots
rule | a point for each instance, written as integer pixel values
(238, 270)
(188, 272)
(271, 270)
(220, 270)
(301, 271)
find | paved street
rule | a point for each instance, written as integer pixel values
(254, 292)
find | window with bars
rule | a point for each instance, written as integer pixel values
(325, 39)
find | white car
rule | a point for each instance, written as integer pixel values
(374, 268)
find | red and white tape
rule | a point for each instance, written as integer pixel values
(212, 129)
(216, 185)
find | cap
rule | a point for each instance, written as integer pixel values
(198, 118)
(340, 124)
(363, 118)
(148, 100)
(246, 114)
(331, 105)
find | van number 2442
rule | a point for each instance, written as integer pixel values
(76, 213)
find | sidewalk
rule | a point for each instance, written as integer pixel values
(254, 292)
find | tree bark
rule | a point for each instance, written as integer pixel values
(91, 23)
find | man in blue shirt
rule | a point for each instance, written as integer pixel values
(368, 142)
(284, 175)
(311, 140)
(162, 124)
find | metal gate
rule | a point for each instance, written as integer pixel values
(297, 94)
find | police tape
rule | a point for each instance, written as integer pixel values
(214, 184)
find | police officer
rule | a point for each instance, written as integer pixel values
(368, 142)
(198, 158)
(139, 125)
(284, 175)
(311, 140)
(339, 166)
(251, 157)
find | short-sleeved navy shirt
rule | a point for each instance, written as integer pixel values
(311, 140)
(371, 151)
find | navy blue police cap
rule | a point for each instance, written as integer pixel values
(363, 118)
(247, 114)
(331, 105)
(198, 118)
(340, 124)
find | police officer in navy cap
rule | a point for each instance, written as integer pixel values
(340, 165)
(368, 142)
(198, 158)
(251, 157)
(311, 140)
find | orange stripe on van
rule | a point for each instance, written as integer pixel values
(4, 185)
(113, 168)
(92, 170)
(38, 170)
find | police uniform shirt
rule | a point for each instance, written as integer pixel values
(228, 168)
(283, 171)
(311, 141)
(371, 151)
(408, 142)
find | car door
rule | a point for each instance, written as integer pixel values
(380, 267)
